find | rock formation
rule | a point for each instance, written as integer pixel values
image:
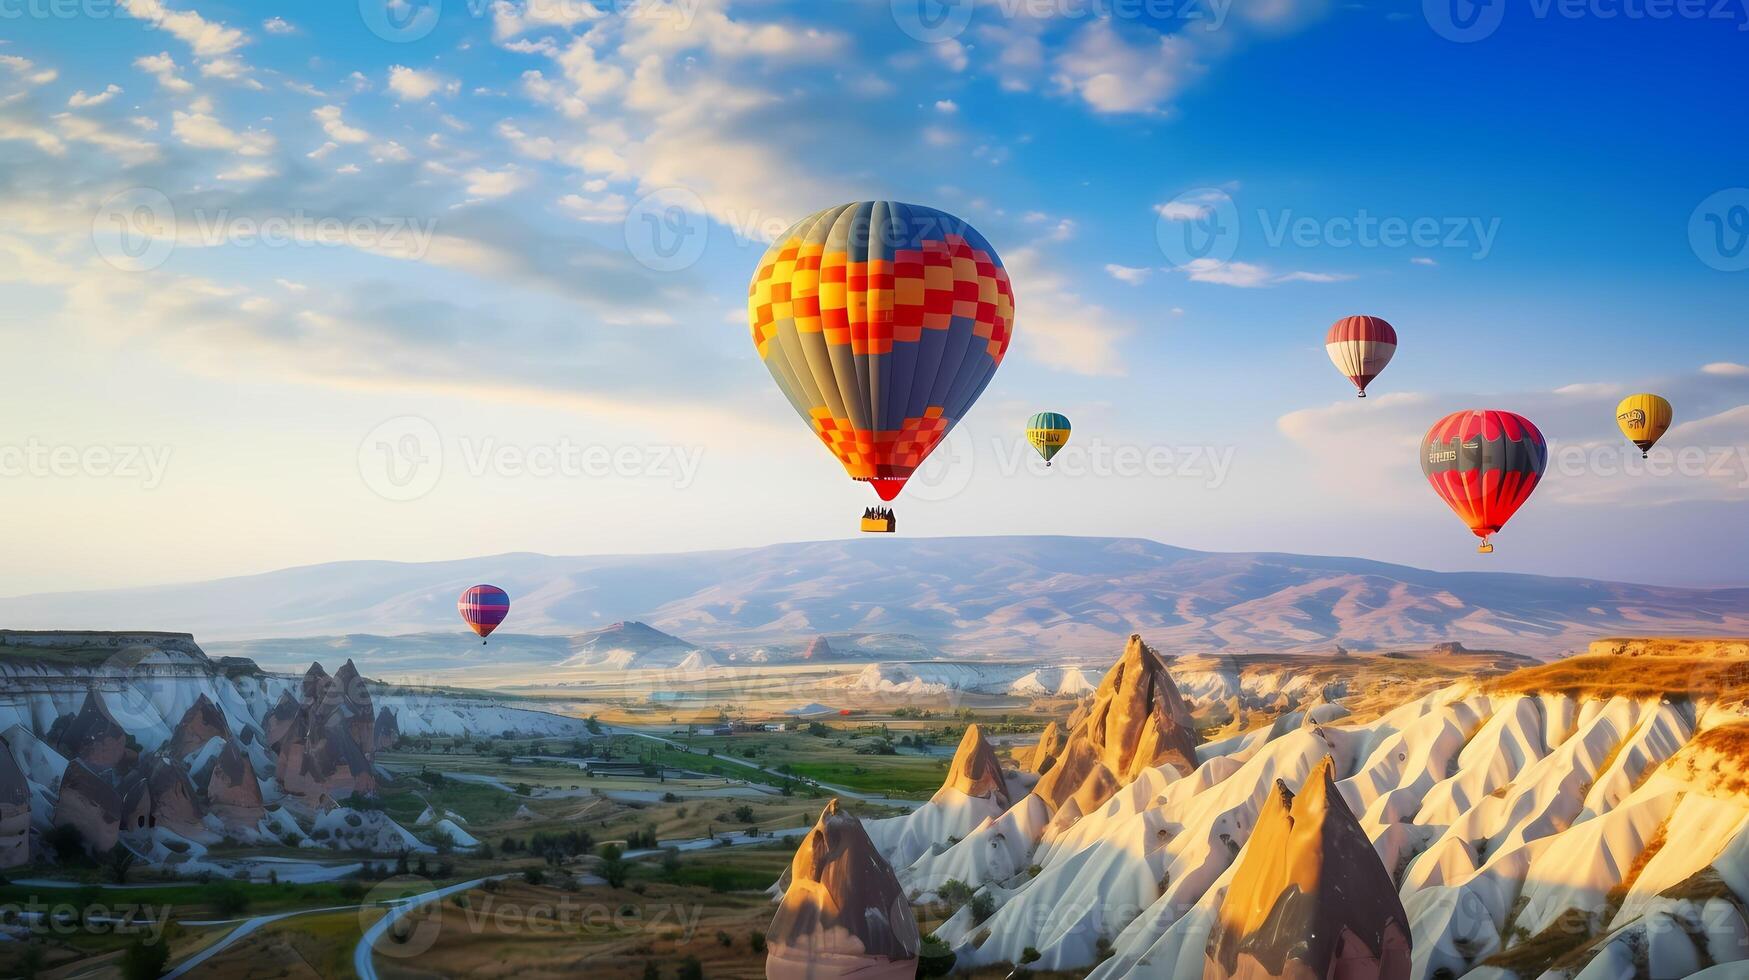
(158, 793)
(325, 748)
(200, 724)
(1136, 721)
(87, 802)
(1310, 897)
(14, 813)
(279, 721)
(1044, 755)
(92, 736)
(387, 730)
(843, 913)
(819, 649)
(233, 791)
(975, 771)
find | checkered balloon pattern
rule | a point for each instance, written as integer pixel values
(882, 323)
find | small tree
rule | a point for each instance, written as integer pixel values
(614, 866)
(118, 862)
(144, 959)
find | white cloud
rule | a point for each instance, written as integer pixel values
(229, 69)
(20, 130)
(163, 67)
(244, 172)
(495, 183)
(391, 152)
(277, 25)
(323, 150)
(546, 91)
(1191, 205)
(1114, 75)
(510, 19)
(291, 286)
(27, 71)
(206, 38)
(953, 54)
(336, 127)
(1726, 369)
(418, 85)
(607, 209)
(206, 132)
(1059, 328)
(1128, 274)
(144, 123)
(947, 105)
(1423, 260)
(127, 149)
(1247, 275)
(80, 100)
(1241, 274)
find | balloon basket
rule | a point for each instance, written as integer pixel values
(879, 525)
(1484, 548)
(1361, 395)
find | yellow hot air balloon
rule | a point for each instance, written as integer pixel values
(1644, 418)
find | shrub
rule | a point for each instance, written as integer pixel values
(144, 959)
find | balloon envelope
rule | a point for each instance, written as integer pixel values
(483, 607)
(1360, 347)
(1048, 432)
(882, 323)
(1644, 418)
(1484, 464)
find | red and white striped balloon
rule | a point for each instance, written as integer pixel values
(1360, 347)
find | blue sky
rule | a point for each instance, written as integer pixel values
(396, 296)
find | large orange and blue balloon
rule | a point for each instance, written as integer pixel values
(1484, 464)
(1360, 347)
(483, 607)
(881, 323)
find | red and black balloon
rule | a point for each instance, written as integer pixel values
(1484, 464)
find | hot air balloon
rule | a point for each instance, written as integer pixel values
(1644, 418)
(1048, 432)
(1360, 347)
(1484, 464)
(483, 607)
(881, 323)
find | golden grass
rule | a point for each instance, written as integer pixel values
(1645, 678)
(1570, 931)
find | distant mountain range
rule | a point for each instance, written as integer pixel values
(906, 597)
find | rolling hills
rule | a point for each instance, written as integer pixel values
(992, 596)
